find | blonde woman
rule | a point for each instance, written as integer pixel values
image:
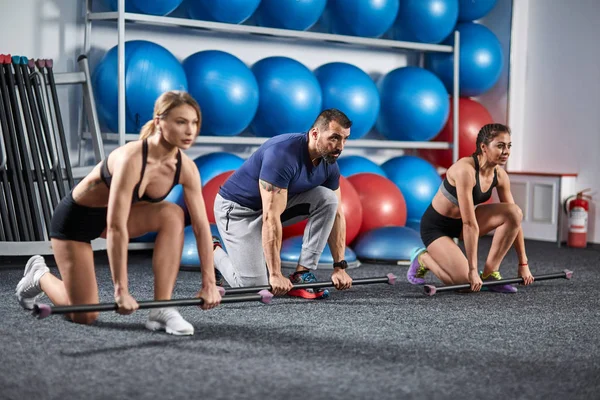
(122, 197)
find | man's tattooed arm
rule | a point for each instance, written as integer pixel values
(269, 187)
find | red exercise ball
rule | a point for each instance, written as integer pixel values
(382, 201)
(209, 192)
(472, 117)
(351, 207)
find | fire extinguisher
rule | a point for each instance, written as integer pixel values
(578, 207)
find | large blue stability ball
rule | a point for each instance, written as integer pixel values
(414, 104)
(225, 89)
(417, 179)
(289, 14)
(176, 196)
(209, 166)
(149, 237)
(389, 244)
(368, 18)
(470, 10)
(189, 256)
(212, 164)
(354, 164)
(290, 97)
(425, 21)
(292, 247)
(152, 7)
(481, 60)
(150, 70)
(349, 89)
(228, 11)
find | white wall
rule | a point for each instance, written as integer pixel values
(561, 104)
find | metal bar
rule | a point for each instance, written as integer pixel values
(456, 97)
(44, 310)
(257, 141)
(41, 132)
(430, 290)
(50, 136)
(390, 279)
(90, 109)
(121, 69)
(258, 30)
(61, 130)
(68, 78)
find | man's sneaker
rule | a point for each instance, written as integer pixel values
(307, 277)
(219, 278)
(416, 272)
(28, 289)
(495, 276)
(169, 320)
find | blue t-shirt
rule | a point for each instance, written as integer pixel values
(284, 162)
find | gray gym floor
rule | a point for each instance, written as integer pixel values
(375, 341)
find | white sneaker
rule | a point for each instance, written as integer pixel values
(28, 289)
(170, 320)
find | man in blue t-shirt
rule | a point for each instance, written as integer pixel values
(289, 178)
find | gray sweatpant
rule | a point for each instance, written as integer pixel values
(241, 231)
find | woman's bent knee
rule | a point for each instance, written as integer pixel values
(84, 318)
(515, 214)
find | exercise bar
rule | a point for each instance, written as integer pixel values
(430, 290)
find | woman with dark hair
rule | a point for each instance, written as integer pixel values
(122, 197)
(456, 211)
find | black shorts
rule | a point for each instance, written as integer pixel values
(435, 225)
(72, 221)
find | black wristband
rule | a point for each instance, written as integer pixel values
(340, 264)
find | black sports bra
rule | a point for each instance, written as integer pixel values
(106, 176)
(478, 196)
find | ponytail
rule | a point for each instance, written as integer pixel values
(147, 130)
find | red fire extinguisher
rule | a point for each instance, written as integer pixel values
(578, 207)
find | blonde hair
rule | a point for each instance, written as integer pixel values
(165, 103)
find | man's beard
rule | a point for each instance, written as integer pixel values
(328, 157)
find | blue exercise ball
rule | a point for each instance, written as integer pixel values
(150, 70)
(417, 179)
(149, 237)
(414, 104)
(152, 7)
(176, 196)
(225, 89)
(289, 14)
(470, 10)
(354, 164)
(292, 247)
(481, 60)
(290, 97)
(189, 255)
(387, 244)
(228, 11)
(212, 164)
(425, 21)
(349, 89)
(414, 224)
(368, 18)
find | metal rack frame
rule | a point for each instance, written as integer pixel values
(122, 18)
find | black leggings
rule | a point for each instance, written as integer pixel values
(72, 221)
(435, 225)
